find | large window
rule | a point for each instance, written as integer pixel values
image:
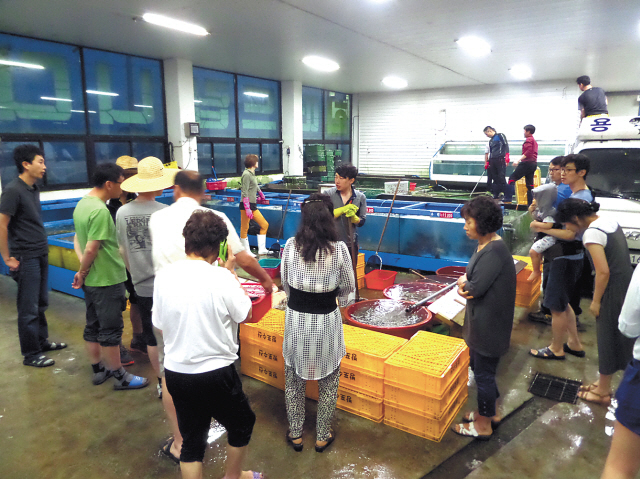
(326, 131)
(238, 115)
(81, 106)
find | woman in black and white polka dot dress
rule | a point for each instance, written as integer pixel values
(316, 270)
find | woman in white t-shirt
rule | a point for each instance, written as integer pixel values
(609, 254)
(198, 307)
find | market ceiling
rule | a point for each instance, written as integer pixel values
(370, 39)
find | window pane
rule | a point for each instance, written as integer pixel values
(311, 113)
(109, 152)
(224, 159)
(8, 170)
(270, 157)
(66, 162)
(214, 103)
(40, 100)
(343, 155)
(205, 159)
(249, 149)
(337, 121)
(143, 149)
(258, 108)
(128, 98)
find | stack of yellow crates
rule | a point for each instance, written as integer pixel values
(521, 187)
(360, 271)
(426, 384)
(361, 372)
(527, 293)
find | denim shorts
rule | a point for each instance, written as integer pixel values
(628, 397)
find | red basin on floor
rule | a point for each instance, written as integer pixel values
(452, 271)
(400, 331)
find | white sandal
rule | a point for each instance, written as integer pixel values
(470, 431)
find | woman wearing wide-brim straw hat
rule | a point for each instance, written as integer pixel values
(134, 238)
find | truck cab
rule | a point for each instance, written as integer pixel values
(613, 146)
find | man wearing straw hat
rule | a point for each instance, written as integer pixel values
(134, 239)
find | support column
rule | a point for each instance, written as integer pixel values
(292, 127)
(178, 86)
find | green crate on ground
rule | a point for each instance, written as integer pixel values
(314, 148)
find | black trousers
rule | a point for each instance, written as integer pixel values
(526, 170)
(496, 172)
(484, 369)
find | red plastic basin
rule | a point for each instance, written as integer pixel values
(216, 185)
(400, 331)
(452, 271)
(380, 279)
(260, 301)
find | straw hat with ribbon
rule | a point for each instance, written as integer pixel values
(127, 162)
(152, 176)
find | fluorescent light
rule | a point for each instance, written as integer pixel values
(474, 46)
(54, 98)
(106, 93)
(319, 63)
(197, 101)
(77, 111)
(256, 94)
(143, 106)
(394, 82)
(174, 24)
(90, 111)
(521, 72)
(21, 64)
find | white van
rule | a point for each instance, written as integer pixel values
(613, 146)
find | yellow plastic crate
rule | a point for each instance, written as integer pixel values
(526, 259)
(254, 332)
(262, 372)
(397, 396)
(273, 320)
(420, 425)
(361, 283)
(352, 401)
(524, 302)
(371, 384)
(427, 364)
(368, 350)
(262, 353)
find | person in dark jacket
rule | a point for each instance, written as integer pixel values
(497, 166)
(490, 289)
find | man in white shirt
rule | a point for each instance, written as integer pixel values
(167, 246)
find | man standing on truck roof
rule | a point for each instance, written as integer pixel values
(593, 101)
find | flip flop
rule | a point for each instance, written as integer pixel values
(166, 450)
(470, 431)
(53, 346)
(576, 353)
(471, 417)
(601, 399)
(39, 362)
(546, 353)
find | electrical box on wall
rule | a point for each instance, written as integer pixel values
(192, 129)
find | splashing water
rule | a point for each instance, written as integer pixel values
(413, 292)
(387, 313)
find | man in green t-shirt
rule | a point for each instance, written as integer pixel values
(101, 276)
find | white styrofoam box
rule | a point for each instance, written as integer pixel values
(390, 187)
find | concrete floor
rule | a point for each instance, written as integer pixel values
(55, 424)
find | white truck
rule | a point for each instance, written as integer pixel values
(613, 146)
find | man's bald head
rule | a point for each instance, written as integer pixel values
(190, 183)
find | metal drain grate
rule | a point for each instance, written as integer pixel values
(553, 387)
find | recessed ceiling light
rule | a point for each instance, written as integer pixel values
(106, 93)
(474, 46)
(256, 94)
(174, 24)
(394, 82)
(319, 63)
(21, 64)
(54, 99)
(521, 72)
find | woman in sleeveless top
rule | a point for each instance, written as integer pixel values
(609, 255)
(316, 269)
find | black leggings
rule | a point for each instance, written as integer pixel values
(145, 305)
(198, 398)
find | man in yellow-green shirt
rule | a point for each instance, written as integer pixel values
(101, 276)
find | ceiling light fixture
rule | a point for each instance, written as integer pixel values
(521, 72)
(474, 46)
(256, 94)
(11, 63)
(54, 99)
(106, 93)
(394, 82)
(197, 101)
(76, 111)
(143, 106)
(321, 64)
(179, 25)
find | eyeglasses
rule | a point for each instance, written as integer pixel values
(564, 170)
(555, 169)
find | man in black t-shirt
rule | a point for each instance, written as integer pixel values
(24, 249)
(593, 101)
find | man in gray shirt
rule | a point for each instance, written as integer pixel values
(349, 204)
(134, 240)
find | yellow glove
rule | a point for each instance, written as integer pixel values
(355, 219)
(338, 212)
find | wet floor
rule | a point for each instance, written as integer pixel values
(55, 424)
